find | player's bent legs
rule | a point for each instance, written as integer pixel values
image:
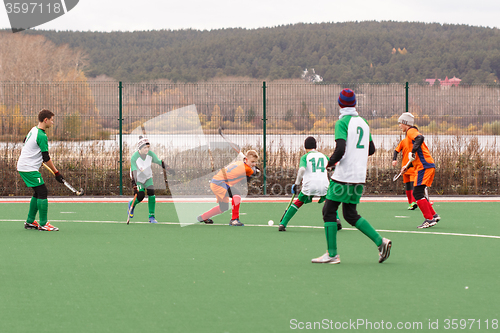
(422, 202)
(235, 205)
(42, 203)
(292, 210)
(353, 218)
(330, 224)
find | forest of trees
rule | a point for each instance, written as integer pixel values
(374, 52)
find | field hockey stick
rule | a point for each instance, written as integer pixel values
(234, 146)
(410, 159)
(289, 204)
(79, 193)
(131, 206)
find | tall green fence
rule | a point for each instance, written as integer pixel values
(92, 139)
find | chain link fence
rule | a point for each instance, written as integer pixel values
(96, 124)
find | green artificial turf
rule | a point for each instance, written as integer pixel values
(111, 277)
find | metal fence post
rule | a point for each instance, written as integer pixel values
(406, 94)
(264, 119)
(120, 121)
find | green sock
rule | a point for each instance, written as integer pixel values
(289, 214)
(365, 227)
(331, 238)
(152, 205)
(33, 210)
(43, 208)
(136, 202)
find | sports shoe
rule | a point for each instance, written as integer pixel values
(236, 222)
(326, 259)
(384, 250)
(282, 228)
(130, 210)
(412, 206)
(152, 219)
(437, 218)
(33, 225)
(427, 224)
(48, 227)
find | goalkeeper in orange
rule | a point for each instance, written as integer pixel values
(222, 186)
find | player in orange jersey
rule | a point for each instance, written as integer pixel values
(221, 186)
(424, 168)
(409, 175)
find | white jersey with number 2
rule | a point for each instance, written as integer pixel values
(352, 167)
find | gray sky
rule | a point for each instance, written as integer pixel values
(127, 15)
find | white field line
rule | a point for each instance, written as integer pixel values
(126, 199)
(275, 226)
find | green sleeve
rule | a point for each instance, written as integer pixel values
(341, 128)
(155, 158)
(133, 164)
(303, 161)
(42, 141)
(366, 121)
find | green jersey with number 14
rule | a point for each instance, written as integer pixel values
(356, 132)
(315, 181)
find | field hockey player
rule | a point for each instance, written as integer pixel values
(409, 175)
(222, 186)
(424, 168)
(141, 176)
(313, 176)
(35, 151)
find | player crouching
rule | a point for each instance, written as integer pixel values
(222, 186)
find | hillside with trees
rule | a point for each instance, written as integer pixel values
(375, 52)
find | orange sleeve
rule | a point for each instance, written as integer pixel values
(412, 133)
(400, 146)
(248, 170)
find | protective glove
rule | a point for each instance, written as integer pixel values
(59, 177)
(295, 189)
(167, 168)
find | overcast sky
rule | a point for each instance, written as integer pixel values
(127, 15)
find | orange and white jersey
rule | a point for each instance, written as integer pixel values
(423, 159)
(232, 174)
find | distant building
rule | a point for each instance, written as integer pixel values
(311, 77)
(454, 81)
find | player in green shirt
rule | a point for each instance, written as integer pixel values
(35, 151)
(141, 176)
(353, 146)
(313, 176)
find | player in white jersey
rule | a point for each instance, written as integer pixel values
(35, 152)
(313, 176)
(141, 176)
(353, 146)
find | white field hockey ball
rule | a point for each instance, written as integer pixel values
(271, 222)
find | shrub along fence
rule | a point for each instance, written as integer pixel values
(97, 125)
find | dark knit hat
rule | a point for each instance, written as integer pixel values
(347, 98)
(310, 143)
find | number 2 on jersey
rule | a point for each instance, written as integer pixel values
(318, 166)
(360, 134)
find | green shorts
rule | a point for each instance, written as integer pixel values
(32, 178)
(143, 187)
(346, 193)
(309, 198)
